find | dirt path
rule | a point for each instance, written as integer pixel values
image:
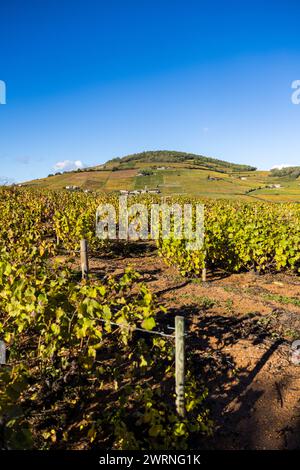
(240, 331)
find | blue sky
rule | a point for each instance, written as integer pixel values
(90, 80)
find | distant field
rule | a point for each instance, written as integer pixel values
(85, 180)
(290, 191)
(179, 178)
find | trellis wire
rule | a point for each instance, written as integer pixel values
(128, 327)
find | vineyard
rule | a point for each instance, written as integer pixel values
(81, 370)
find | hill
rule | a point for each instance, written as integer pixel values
(179, 173)
(171, 156)
(291, 172)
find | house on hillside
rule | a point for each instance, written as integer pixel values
(213, 178)
(136, 192)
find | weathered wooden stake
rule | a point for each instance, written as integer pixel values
(84, 259)
(2, 353)
(204, 268)
(179, 365)
(204, 274)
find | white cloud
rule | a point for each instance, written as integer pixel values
(68, 165)
(279, 167)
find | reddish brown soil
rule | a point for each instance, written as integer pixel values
(241, 337)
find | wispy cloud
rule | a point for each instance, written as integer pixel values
(23, 160)
(68, 165)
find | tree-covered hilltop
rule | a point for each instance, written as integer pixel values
(172, 156)
(292, 172)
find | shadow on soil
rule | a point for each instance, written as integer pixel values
(231, 395)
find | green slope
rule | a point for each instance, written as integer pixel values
(171, 156)
(179, 176)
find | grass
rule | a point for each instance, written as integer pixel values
(282, 299)
(229, 305)
(150, 182)
(178, 178)
(203, 301)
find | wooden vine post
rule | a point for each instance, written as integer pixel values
(84, 259)
(179, 365)
(204, 268)
(204, 274)
(2, 353)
